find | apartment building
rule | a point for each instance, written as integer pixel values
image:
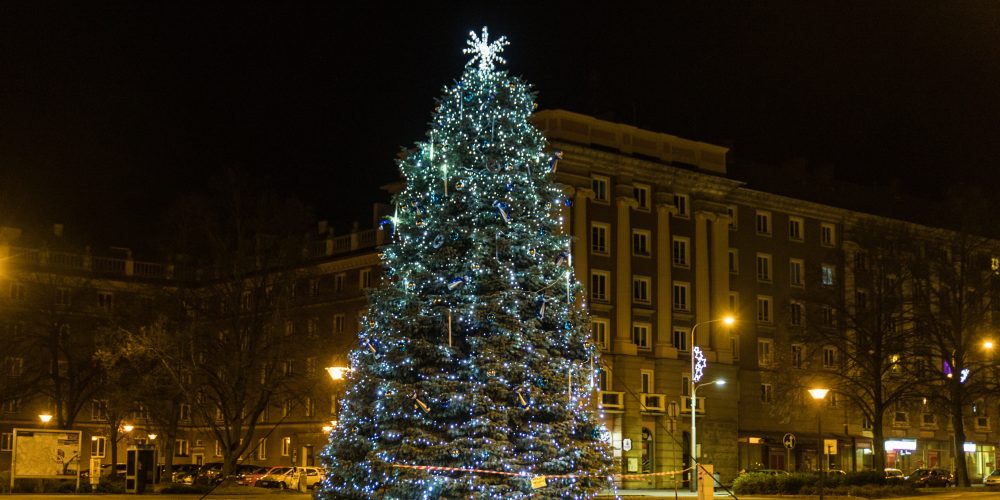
(665, 243)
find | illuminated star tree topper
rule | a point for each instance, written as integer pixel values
(484, 51)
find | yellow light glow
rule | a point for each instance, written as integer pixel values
(337, 372)
(818, 393)
(128, 427)
(45, 418)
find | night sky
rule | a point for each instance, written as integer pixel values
(109, 110)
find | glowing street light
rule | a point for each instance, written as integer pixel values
(818, 395)
(697, 366)
(337, 372)
(45, 418)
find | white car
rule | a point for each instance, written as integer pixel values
(993, 479)
(292, 478)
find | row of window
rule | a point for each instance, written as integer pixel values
(796, 270)
(18, 292)
(763, 218)
(641, 192)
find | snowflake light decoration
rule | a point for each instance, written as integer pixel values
(486, 53)
(699, 363)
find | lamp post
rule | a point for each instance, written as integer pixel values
(692, 380)
(337, 374)
(819, 395)
(45, 418)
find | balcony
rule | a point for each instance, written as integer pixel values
(652, 403)
(699, 405)
(612, 400)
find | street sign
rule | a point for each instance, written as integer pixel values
(788, 440)
(626, 444)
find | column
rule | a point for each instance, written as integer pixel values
(623, 277)
(664, 283)
(702, 277)
(581, 251)
(720, 286)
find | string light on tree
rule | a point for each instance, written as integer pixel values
(474, 352)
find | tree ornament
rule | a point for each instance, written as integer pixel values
(504, 210)
(438, 241)
(541, 307)
(521, 400)
(420, 405)
(456, 283)
(459, 185)
(455, 453)
(562, 258)
(475, 266)
(554, 160)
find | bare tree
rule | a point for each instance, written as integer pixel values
(240, 343)
(859, 328)
(955, 293)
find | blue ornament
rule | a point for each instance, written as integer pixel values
(554, 160)
(567, 325)
(562, 258)
(541, 308)
(454, 236)
(568, 202)
(503, 209)
(438, 241)
(456, 283)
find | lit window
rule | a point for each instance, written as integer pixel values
(262, 449)
(286, 446)
(829, 274)
(98, 446)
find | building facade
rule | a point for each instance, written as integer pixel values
(665, 244)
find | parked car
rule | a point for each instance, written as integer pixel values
(770, 472)
(247, 474)
(209, 473)
(184, 473)
(894, 474)
(294, 478)
(993, 479)
(930, 477)
(276, 477)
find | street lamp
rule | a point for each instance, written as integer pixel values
(694, 430)
(696, 370)
(818, 395)
(45, 418)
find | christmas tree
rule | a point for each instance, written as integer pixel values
(474, 369)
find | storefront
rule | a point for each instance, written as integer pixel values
(980, 460)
